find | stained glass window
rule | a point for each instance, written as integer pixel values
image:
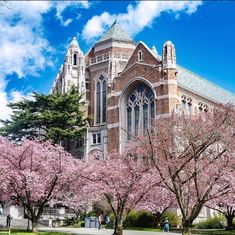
(140, 110)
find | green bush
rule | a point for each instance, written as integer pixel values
(140, 219)
(143, 219)
(92, 213)
(70, 221)
(216, 222)
(81, 224)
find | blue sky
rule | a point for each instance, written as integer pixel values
(34, 37)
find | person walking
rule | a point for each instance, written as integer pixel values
(166, 225)
(100, 220)
(106, 220)
(8, 221)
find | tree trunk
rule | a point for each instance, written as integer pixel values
(34, 224)
(157, 217)
(229, 219)
(118, 225)
(28, 227)
(187, 227)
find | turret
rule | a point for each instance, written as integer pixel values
(169, 74)
(169, 56)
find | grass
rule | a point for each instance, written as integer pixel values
(214, 232)
(144, 229)
(196, 231)
(23, 232)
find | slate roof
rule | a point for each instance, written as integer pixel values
(116, 33)
(197, 84)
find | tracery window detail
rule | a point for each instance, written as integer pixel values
(101, 100)
(186, 104)
(140, 110)
(96, 138)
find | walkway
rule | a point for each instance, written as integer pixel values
(90, 231)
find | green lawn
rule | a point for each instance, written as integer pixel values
(214, 232)
(198, 231)
(21, 232)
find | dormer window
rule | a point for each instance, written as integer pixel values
(140, 56)
(74, 59)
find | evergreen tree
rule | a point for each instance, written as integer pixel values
(56, 117)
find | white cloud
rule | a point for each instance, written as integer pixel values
(61, 6)
(22, 50)
(137, 17)
(23, 46)
(97, 25)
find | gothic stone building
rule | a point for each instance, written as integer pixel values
(125, 85)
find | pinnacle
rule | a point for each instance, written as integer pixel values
(74, 43)
(154, 50)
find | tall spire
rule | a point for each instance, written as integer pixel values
(74, 44)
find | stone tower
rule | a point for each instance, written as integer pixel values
(72, 72)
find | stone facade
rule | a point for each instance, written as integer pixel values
(126, 85)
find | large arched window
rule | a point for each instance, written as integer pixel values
(140, 110)
(101, 99)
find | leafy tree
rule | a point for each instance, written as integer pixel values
(56, 117)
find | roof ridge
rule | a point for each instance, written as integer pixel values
(149, 50)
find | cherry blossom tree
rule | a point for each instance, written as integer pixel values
(157, 201)
(123, 179)
(80, 196)
(34, 173)
(193, 156)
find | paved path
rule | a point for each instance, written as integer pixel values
(90, 231)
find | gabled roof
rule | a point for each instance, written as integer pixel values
(196, 84)
(116, 33)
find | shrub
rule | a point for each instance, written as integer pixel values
(92, 213)
(81, 224)
(70, 221)
(139, 219)
(216, 222)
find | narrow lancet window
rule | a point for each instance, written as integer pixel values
(101, 100)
